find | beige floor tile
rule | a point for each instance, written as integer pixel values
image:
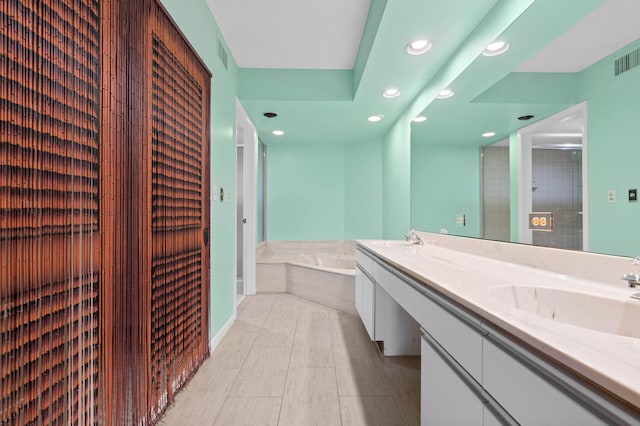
(359, 372)
(370, 411)
(312, 349)
(285, 308)
(255, 309)
(236, 345)
(310, 398)
(404, 373)
(249, 412)
(263, 373)
(277, 333)
(200, 402)
(248, 377)
(348, 330)
(313, 318)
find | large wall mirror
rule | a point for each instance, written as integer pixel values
(551, 125)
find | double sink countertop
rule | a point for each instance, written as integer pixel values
(590, 328)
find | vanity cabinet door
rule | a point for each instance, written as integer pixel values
(365, 300)
(368, 305)
(445, 398)
(358, 290)
(529, 398)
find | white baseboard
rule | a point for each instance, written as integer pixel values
(215, 341)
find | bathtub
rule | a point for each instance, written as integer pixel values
(320, 271)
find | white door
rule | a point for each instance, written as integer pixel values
(246, 199)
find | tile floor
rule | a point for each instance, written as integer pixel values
(288, 361)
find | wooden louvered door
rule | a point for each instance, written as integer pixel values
(179, 211)
(104, 212)
(50, 228)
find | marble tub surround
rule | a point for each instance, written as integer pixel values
(321, 271)
(271, 250)
(596, 340)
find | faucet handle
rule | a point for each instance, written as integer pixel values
(632, 279)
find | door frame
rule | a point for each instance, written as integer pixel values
(525, 173)
(249, 195)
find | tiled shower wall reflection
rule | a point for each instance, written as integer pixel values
(495, 199)
(557, 188)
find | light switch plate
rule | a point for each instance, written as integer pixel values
(611, 196)
(633, 194)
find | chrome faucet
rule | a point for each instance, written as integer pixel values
(413, 237)
(633, 279)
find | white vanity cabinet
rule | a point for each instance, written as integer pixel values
(471, 374)
(384, 319)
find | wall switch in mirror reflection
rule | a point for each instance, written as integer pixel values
(461, 220)
(611, 196)
(633, 195)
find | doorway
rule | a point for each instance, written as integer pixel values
(553, 179)
(240, 219)
(245, 228)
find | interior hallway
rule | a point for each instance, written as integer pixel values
(288, 361)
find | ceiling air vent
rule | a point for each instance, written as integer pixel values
(628, 61)
(222, 54)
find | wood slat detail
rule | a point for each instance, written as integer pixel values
(177, 144)
(49, 118)
(176, 326)
(49, 352)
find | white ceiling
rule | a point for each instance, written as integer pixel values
(610, 27)
(294, 34)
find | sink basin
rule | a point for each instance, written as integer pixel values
(391, 243)
(594, 312)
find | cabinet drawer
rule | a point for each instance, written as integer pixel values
(462, 341)
(445, 398)
(381, 275)
(526, 396)
(406, 296)
(364, 261)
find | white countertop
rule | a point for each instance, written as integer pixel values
(609, 360)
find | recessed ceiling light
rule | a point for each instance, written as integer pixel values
(496, 48)
(278, 132)
(270, 114)
(446, 93)
(391, 93)
(525, 117)
(488, 134)
(375, 118)
(420, 119)
(418, 47)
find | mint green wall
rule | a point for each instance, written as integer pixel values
(444, 182)
(323, 191)
(396, 184)
(363, 190)
(613, 153)
(199, 27)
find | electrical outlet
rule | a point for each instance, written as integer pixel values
(611, 196)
